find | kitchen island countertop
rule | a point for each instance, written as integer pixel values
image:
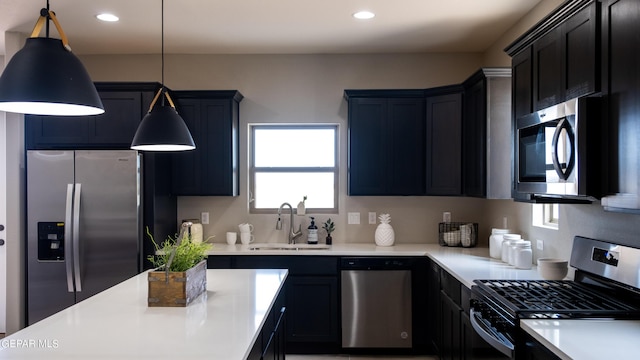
(221, 324)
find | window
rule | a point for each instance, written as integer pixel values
(546, 215)
(289, 162)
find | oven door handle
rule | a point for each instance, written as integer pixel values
(490, 336)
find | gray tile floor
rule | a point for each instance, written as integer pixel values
(358, 357)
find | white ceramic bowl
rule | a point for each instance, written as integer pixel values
(552, 269)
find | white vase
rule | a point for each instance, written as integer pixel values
(385, 236)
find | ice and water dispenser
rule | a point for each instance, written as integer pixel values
(51, 241)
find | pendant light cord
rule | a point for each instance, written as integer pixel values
(162, 90)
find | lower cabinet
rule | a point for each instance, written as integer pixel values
(270, 344)
(312, 326)
(311, 298)
(452, 333)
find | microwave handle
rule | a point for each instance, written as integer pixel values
(563, 125)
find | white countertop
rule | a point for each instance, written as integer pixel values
(587, 339)
(117, 323)
(466, 264)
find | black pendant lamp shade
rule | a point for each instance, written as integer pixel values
(46, 78)
(162, 129)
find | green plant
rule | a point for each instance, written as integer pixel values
(187, 254)
(328, 226)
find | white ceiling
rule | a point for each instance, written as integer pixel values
(273, 26)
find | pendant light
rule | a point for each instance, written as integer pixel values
(162, 129)
(46, 78)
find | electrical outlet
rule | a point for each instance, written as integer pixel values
(372, 218)
(539, 245)
(354, 218)
(204, 218)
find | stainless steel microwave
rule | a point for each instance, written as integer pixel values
(557, 153)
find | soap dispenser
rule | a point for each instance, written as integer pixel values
(312, 238)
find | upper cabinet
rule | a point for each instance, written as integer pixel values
(558, 59)
(124, 104)
(486, 134)
(621, 88)
(437, 141)
(212, 168)
(386, 142)
(444, 141)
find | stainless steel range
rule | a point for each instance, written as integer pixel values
(606, 285)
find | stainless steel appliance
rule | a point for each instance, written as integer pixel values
(606, 285)
(83, 225)
(376, 302)
(557, 152)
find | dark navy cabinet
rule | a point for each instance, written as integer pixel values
(212, 168)
(125, 104)
(386, 142)
(444, 141)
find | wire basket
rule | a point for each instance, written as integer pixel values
(463, 234)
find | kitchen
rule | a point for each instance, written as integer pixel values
(309, 88)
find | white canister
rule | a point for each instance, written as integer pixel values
(512, 251)
(495, 242)
(524, 255)
(505, 245)
(195, 231)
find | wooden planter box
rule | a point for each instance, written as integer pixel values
(183, 287)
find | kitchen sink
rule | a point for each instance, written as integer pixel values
(294, 247)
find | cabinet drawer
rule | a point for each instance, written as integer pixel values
(297, 265)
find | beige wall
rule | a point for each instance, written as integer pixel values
(306, 88)
(309, 88)
(495, 55)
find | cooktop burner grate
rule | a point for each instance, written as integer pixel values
(555, 299)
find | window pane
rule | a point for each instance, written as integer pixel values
(294, 147)
(272, 189)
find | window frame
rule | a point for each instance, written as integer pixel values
(546, 216)
(293, 126)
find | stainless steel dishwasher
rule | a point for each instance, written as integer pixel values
(376, 302)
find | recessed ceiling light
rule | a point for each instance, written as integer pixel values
(364, 15)
(107, 17)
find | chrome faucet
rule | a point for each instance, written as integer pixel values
(292, 234)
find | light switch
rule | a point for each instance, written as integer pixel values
(204, 218)
(372, 218)
(354, 218)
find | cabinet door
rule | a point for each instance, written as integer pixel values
(443, 144)
(312, 309)
(212, 168)
(368, 158)
(114, 129)
(579, 46)
(119, 122)
(474, 134)
(56, 132)
(187, 170)
(547, 70)
(450, 312)
(621, 56)
(522, 82)
(405, 148)
(220, 148)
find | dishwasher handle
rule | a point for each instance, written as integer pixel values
(376, 263)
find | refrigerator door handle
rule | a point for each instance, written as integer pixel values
(68, 235)
(76, 237)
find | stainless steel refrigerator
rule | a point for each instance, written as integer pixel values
(83, 225)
